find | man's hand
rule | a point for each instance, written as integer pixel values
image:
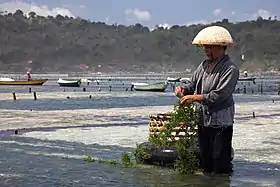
(179, 91)
(189, 99)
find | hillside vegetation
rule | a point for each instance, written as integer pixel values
(62, 44)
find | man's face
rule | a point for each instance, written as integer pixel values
(211, 51)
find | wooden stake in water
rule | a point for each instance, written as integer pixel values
(35, 95)
(14, 96)
(244, 90)
(29, 90)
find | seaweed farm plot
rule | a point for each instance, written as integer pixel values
(47, 147)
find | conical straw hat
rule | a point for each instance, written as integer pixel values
(213, 35)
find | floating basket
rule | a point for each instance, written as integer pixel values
(158, 123)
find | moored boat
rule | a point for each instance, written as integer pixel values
(69, 83)
(184, 80)
(171, 79)
(154, 87)
(11, 82)
(247, 79)
(86, 80)
(247, 84)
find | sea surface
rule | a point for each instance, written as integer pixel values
(61, 127)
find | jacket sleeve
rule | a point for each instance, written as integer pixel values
(189, 88)
(225, 87)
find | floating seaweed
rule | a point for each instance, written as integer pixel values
(177, 129)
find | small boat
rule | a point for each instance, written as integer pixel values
(170, 79)
(154, 87)
(246, 84)
(11, 82)
(139, 84)
(242, 79)
(245, 78)
(6, 79)
(69, 83)
(184, 80)
(86, 80)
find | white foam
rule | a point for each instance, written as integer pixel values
(254, 139)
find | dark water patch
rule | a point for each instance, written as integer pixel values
(46, 170)
(54, 128)
(104, 102)
(43, 170)
(27, 144)
(86, 103)
(241, 98)
(249, 173)
(259, 152)
(249, 117)
(246, 174)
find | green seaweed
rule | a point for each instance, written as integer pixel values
(183, 116)
(127, 159)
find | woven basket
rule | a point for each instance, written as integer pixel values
(158, 123)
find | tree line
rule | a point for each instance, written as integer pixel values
(66, 44)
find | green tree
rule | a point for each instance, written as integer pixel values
(61, 43)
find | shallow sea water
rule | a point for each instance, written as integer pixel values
(55, 134)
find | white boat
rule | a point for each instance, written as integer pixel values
(6, 79)
(85, 80)
(69, 83)
(170, 79)
(248, 79)
(139, 84)
(154, 87)
(184, 80)
(248, 84)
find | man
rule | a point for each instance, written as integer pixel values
(28, 76)
(212, 86)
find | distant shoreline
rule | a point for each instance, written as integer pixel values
(128, 76)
